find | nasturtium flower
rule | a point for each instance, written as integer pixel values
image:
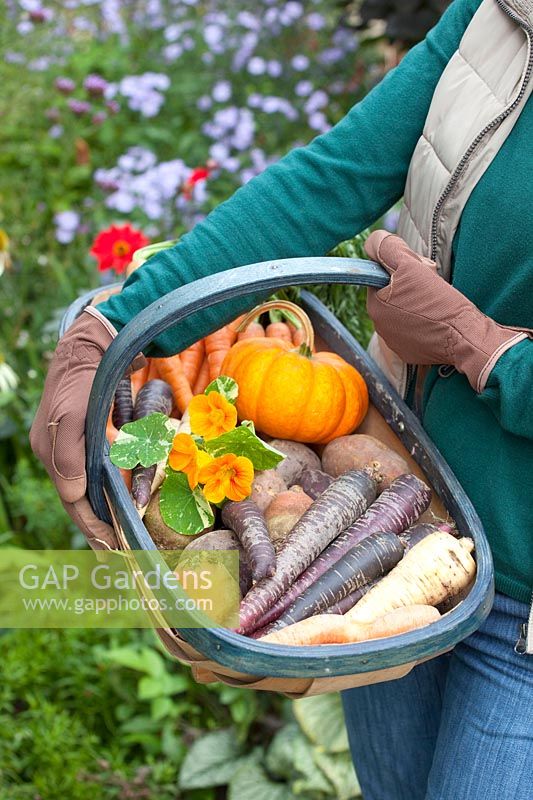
(229, 477)
(186, 457)
(211, 415)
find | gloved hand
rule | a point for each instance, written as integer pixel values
(57, 435)
(424, 320)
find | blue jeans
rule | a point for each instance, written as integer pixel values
(459, 727)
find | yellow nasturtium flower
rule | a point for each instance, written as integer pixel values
(211, 415)
(227, 476)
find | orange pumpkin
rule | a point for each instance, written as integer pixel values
(293, 393)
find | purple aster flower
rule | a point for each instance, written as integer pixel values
(391, 220)
(257, 66)
(66, 223)
(113, 106)
(274, 68)
(172, 52)
(56, 131)
(303, 88)
(318, 122)
(300, 62)
(331, 55)
(99, 117)
(318, 100)
(107, 179)
(316, 21)
(78, 107)
(221, 91)
(204, 103)
(53, 114)
(64, 85)
(95, 84)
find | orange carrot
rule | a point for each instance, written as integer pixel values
(153, 370)
(202, 381)
(217, 345)
(126, 474)
(236, 322)
(111, 432)
(298, 334)
(139, 378)
(171, 371)
(338, 629)
(279, 330)
(254, 331)
(192, 358)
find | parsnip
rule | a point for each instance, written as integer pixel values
(337, 629)
(436, 568)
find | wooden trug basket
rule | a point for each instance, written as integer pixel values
(218, 654)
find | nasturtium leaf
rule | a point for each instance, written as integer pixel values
(183, 509)
(242, 441)
(145, 441)
(247, 423)
(251, 782)
(338, 768)
(225, 386)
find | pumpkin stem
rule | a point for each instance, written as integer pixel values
(308, 344)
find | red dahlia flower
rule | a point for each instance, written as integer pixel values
(114, 247)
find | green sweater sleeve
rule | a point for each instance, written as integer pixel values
(311, 199)
(508, 390)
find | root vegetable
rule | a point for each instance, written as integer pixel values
(394, 510)
(358, 451)
(254, 331)
(247, 521)
(436, 568)
(334, 629)
(123, 404)
(164, 537)
(342, 503)
(202, 381)
(225, 540)
(314, 482)
(171, 370)
(417, 532)
(297, 458)
(279, 330)
(154, 396)
(370, 559)
(284, 512)
(266, 486)
(348, 602)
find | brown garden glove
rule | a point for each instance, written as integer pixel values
(57, 435)
(424, 320)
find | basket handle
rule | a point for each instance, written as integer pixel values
(178, 305)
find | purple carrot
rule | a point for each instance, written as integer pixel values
(372, 558)
(347, 603)
(314, 482)
(417, 532)
(123, 405)
(339, 506)
(247, 522)
(395, 509)
(154, 396)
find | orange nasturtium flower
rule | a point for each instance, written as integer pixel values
(227, 476)
(186, 457)
(211, 415)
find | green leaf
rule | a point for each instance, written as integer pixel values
(243, 442)
(290, 756)
(322, 720)
(251, 782)
(144, 659)
(211, 761)
(338, 768)
(145, 441)
(225, 386)
(183, 509)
